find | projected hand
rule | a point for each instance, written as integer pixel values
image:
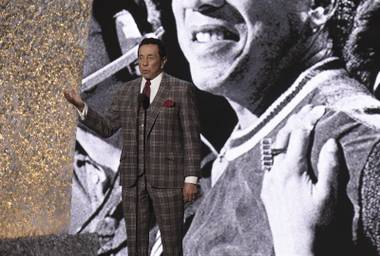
(295, 205)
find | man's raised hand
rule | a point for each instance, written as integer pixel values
(74, 98)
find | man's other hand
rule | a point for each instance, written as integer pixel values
(190, 192)
(74, 98)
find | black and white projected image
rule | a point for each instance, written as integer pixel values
(256, 64)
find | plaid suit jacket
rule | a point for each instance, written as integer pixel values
(172, 132)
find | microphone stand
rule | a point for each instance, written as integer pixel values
(143, 101)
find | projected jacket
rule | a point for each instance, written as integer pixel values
(231, 219)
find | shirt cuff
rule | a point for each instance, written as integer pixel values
(191, 179)
(83, 114)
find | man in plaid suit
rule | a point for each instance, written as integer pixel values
(160, 161)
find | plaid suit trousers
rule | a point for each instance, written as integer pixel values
(140, 202)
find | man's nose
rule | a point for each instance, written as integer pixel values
(144, 62)
(200, 5)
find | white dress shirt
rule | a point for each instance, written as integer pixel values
(154, 85)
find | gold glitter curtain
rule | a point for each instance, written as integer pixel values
(42, 46)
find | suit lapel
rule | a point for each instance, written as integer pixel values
(158, 102)
(133, 102)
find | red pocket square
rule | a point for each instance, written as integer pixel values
(169, 104)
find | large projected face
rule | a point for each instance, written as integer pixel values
(233, 45)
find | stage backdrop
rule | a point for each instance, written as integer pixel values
(42, 45)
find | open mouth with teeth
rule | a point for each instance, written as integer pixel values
(213, 35)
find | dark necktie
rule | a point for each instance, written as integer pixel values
(146, 90)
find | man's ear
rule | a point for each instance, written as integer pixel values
(163, 62)
(321, 11)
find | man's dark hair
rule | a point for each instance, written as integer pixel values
(155, 41)
(353, 30)
(362, 49)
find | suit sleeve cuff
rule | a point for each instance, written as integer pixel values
(191, 179)
(83, 113)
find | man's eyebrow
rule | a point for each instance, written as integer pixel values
(148, 55)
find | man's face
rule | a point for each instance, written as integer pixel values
(150, 62)
(232, 45)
